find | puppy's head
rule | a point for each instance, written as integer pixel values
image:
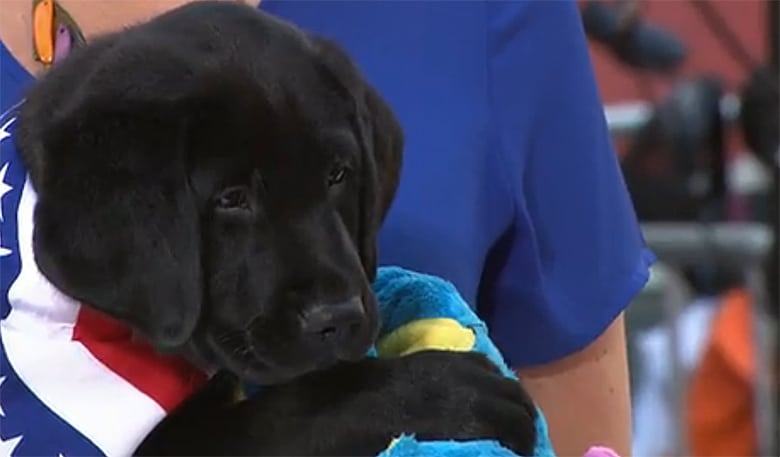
(216, 178)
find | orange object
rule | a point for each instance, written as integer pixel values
(720, 406)
(43, 31)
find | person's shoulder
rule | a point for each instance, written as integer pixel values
(540, 76)
(534, 15)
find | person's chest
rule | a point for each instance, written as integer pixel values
(428, 59)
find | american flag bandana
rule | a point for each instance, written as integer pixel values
(72, 381)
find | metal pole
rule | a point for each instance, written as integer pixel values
(762, 343)
(674, 301)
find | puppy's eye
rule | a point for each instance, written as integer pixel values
(337, 175)
(233, 198)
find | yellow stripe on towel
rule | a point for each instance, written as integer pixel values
(442, 334)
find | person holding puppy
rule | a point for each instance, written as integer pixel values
(510, 187)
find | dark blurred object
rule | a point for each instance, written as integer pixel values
(760, 114)
(772, 274)
(675, 170)
(759, 95)
(773, 264)
(760, 124)
(675, 165)
(636, 44)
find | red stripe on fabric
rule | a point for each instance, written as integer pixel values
(167, 380)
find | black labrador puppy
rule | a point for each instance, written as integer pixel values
(215, 178)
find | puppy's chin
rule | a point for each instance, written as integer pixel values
(253, 368)
(265, 375)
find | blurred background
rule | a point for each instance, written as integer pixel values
(691, 94)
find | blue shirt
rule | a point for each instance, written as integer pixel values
(511, 188)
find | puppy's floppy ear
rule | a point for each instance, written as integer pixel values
(387, 143)
(116, 226)
(381, 171)
(382, 144)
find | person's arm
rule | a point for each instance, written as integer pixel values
(585, 396)
(575, 256)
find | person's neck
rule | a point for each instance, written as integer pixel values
(94, 17)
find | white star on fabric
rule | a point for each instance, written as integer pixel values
(4, 187)
(7, 446)
(4, 129)
(2, 413)
(4, 251)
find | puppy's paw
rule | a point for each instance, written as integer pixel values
(463, 396)
(359, 408)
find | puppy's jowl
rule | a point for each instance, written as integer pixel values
(215, 178)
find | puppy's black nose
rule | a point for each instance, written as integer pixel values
(333, 321)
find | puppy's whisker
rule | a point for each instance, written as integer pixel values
(231, 337)
(242, 352)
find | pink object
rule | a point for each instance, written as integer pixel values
(62, 43)
(600, 451)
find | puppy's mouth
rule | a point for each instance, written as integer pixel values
(237, 351)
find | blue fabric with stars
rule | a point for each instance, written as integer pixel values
(27, 426)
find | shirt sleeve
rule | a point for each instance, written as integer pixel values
(574, 256)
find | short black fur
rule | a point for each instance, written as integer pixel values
(216, 178)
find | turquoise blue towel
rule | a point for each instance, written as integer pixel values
(407, 297)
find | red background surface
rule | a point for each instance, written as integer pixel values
(705, 52)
